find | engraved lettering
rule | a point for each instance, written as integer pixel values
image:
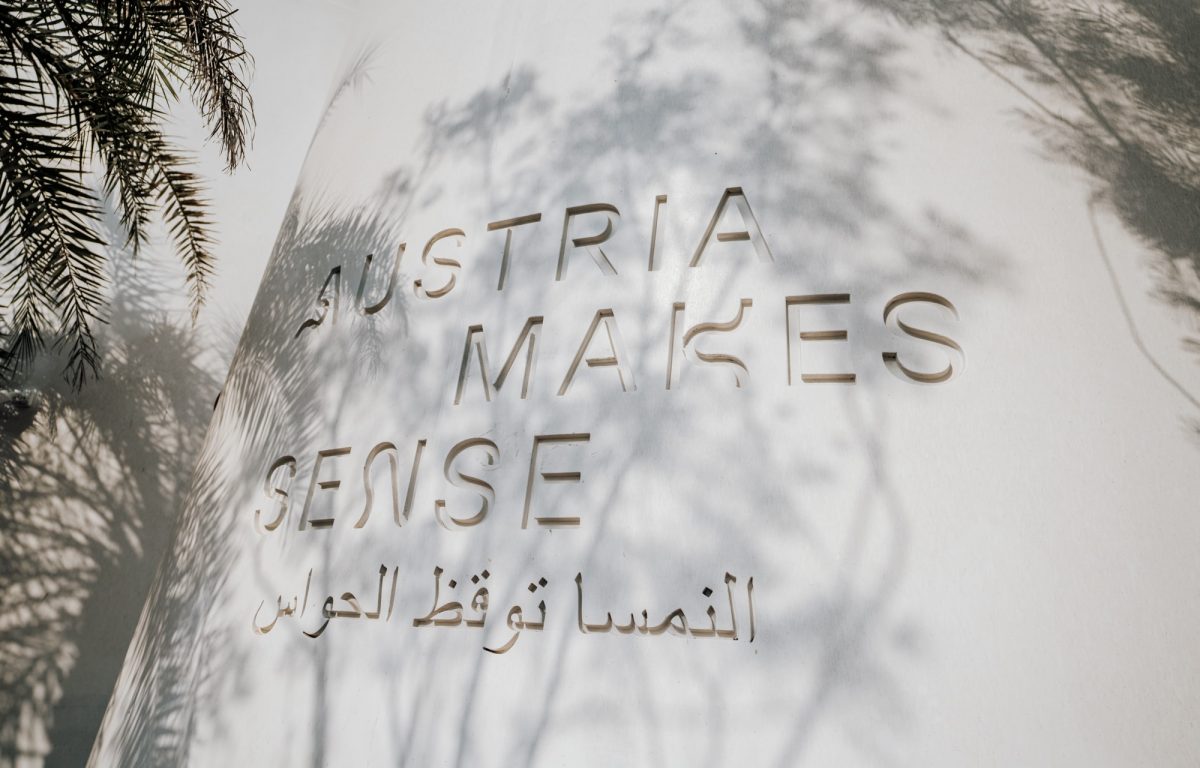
(793, 358)
(682, 340)
(276, 492)
(656, 231)
(391, 284)
(508, 225)
(333, 283)
(615, 358)
(528, 338)
(460, 479)
(318, 484)
(536, 473)
(954, 352)
(591, 243)
(452, 264)
(751, 231)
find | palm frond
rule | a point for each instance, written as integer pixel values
(84, 85)
(51, 262)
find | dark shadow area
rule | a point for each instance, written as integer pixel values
(271, 402)
(89, 485)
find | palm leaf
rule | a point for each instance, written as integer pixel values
(84, 85)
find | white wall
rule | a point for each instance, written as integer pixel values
(995, 570)
(93, 484)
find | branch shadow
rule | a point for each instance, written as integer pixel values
(1112, 89)
(821, 85)
(822, 168)
(89, 484)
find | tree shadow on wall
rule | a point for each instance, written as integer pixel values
(1114, 89)
(820, 166)
(823, 165)
(89, 485)
(272, 401)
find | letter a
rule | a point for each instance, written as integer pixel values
(753, 232)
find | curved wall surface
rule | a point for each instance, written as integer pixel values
(699, 384)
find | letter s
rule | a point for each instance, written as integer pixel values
(460, 479)
(957, 359)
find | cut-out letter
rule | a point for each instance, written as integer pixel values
(656, 231)
(550, 477)
(751, 232)
(530, 332)
(399, 514)
(616, 357)
(681, 340)
(437, 293)
(332, 283)
(477, 343)
(389, 450)
(391, 284)
(460, 479)
(954, 352)
(508, 225)
(590, 243)
(324, 485)
(794, 358)
(277, 493)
